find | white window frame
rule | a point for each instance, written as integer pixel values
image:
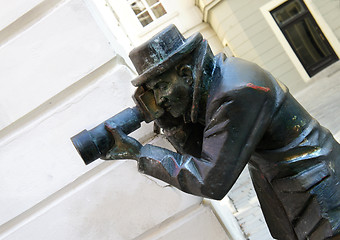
(148, 9)
(130, 23)
(327, 31)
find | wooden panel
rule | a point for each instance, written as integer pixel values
(264, 40)
(279, 61)
(246, 49)
(293, 81)
(331, 13)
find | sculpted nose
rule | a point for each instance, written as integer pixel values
(160, 99)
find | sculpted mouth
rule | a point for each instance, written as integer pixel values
(167, 106)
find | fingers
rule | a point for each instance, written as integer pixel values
(110, 126)
(116, 131)
(124, 147)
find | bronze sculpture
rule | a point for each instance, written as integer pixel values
(222, 113)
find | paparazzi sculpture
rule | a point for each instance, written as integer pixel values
(220, 114)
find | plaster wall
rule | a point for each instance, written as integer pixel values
(13, 11)
(63, 72)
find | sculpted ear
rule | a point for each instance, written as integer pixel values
(185, 72)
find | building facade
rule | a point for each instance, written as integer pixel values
(65, 67)
(64, 70)
(295, 40)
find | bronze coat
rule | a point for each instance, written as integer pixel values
(252, 118)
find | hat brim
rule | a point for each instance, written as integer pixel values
(190, 44)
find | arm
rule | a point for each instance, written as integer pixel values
(235, 124)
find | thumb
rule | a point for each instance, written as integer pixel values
(116, 131)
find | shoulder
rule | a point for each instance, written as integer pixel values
(239, 84)
(234, 74)
(240, 73)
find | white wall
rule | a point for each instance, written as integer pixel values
(184, 14)
(48, 57)
(62, 72)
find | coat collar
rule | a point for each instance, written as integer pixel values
(203, 72)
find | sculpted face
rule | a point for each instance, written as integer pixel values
(172, 89)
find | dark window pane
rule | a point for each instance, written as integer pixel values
(152, 2)
(304, 36)
(158, 10)
(144, 18)
(288, 12)
(137, 7)
(307, 42)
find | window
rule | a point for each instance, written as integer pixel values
(147, 10)
(304, 36)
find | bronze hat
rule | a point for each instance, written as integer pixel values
(161, 52)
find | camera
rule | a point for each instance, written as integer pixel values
(95, 143)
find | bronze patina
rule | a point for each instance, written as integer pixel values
(221, 114)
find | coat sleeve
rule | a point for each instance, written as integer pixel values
(235, 123)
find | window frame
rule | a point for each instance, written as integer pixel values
(148, 9)
(332, 39)
(311, 69)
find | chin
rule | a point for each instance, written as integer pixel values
(176, 114)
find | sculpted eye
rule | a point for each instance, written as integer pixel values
(162, 86)
(184, 71)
